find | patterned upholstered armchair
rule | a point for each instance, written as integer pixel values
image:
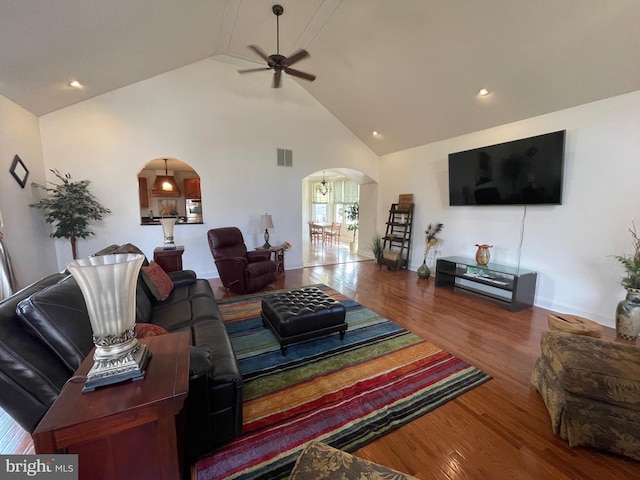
(241, 271)
(322, 462)
(591, 388)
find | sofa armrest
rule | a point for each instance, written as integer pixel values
(232, 271)
(598, 369)
(200, 361)
(231, 261)
(182, 277)
(258, 255)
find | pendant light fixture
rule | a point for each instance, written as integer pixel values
(323, 188)
(165, 185)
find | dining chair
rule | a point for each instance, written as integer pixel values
(314, 232)
(333, 233)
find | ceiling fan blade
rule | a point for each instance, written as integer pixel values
(298, 73)
(260, 69)
(277, 77)
(296, 57)
(259, 51)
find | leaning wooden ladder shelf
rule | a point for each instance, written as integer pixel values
(397, 239)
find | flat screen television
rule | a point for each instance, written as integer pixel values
(527, 171)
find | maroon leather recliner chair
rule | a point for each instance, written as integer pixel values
(241, 271)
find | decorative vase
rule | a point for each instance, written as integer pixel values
(628, 316)
(482, 254)
(424, 272)
(167, 231)
(108, 284)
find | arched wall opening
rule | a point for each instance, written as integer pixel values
(169, 187)
(331, 207)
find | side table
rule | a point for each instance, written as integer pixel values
(126, 430)
(169, 260)
(278, 257)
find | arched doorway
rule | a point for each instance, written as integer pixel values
(169, 187)
(328, 231)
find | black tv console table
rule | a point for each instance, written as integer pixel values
(513, 286)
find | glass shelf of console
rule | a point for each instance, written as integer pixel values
(505, 283)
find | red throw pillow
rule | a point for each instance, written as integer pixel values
(157, 280)
(144, 330)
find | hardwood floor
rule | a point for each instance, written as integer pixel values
(325, 253)
(499, 430)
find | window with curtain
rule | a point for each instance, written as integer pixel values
(346, 192)
(319, 213)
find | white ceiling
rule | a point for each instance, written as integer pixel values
(410, 69)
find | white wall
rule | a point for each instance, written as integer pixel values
(227, 127)
(26, 236)
(570, 245)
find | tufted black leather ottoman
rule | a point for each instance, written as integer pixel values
(302, 314)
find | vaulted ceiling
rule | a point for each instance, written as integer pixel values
(409, 69)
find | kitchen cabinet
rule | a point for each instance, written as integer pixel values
(192, 188)
(143, 192)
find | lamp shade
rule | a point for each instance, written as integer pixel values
(108, 284)
(167, 231)
(266, 221)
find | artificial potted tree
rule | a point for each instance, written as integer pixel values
(353, 215)
(70, 207)
(628, 309)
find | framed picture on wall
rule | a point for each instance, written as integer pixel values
(19, 171)
(167, 208)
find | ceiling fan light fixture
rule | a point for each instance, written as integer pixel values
(279, 63)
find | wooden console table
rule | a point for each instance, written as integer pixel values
(169, 260)
(513, 286)
(127, 430)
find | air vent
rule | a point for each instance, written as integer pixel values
(285, 158)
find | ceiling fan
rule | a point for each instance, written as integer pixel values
(279, 63)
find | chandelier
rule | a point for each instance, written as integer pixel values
(323, 188)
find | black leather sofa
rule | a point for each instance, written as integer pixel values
(45, 334)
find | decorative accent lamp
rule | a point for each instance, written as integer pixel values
(167, 231)
(108, 284)
(266, 222)
(165, 185)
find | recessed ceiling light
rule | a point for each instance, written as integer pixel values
(483, 92)
(375, 134)
(75, 84)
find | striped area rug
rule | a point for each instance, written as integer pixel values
(344, 393)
